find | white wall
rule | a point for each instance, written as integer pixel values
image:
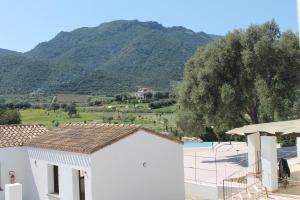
(13, 191)
(253, 141)
(298, 146)
(269, 162)
(118, 172)
(16, 159)
(68, 164)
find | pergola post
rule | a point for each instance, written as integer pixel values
(298, 150)
(253, 148)
(269, 162)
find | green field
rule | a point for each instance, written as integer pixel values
(156, 121)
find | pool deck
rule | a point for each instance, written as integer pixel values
(215, 164)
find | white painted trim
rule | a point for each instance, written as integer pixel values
(60, 157)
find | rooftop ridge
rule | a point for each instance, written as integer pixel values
(101, 124)
(25, 126)
(21, 125)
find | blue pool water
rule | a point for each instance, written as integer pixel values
(198, 144)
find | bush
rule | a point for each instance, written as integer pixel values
(95, 103)
(71, 110)
(160, 104)
(10, 117)
(161, 95)
(20, 105)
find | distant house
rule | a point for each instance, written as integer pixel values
(140, 94)
(100, 161)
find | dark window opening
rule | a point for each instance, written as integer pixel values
(55, 179)
(81, 185)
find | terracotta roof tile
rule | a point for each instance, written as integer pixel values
(17, 135)
(86, 138)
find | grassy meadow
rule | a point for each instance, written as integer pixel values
(154, 120)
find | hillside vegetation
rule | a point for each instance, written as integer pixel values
(113, 57)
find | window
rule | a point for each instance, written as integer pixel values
(55, 180)
(81, 185)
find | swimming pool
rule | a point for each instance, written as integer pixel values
(198, 144)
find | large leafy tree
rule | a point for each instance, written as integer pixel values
(248, 76)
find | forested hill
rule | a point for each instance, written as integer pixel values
(5, 52)
(113, 57)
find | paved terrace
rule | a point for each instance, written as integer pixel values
(214, 166)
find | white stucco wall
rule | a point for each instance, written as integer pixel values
(16, 159)
(269, 162)
(13, 191)
(118, 171)
(253, 148)
(298, 148)
(68, 164)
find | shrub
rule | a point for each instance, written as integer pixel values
(10, 117)
(160, 104)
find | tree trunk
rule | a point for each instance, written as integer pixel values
(254, 115)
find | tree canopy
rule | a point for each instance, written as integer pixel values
(9, 117)
(248, 76)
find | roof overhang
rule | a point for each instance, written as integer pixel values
(271, 128)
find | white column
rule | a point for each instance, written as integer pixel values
(253, 148)
(269, 162)
(13, 191)
(68, 183)
(298, 149)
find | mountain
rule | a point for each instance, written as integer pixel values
(5, 52)
(113, 57)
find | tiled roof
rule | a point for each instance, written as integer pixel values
(17, 135)
(86, 138)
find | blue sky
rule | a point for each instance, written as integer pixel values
(25, 23)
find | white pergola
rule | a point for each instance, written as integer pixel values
(262, 145)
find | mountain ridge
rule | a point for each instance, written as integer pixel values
(124, 53)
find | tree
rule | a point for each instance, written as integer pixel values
(134, 102)
(148, 95)
(121, 97)
(248, 76)
(161, 95)
(72, 111)
(10, 117)
(54, 106)
(166, 123)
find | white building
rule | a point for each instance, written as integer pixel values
(110, 162)
(140, 94)
(14, 159)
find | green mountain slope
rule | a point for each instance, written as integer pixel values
(114, 57)
(5, 52)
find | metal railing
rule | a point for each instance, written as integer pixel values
(239, 182)
(197, 174)
(205, 168)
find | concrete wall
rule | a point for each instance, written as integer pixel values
(16, 159)
(196, 191)
(68, 165)
(118, 171)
